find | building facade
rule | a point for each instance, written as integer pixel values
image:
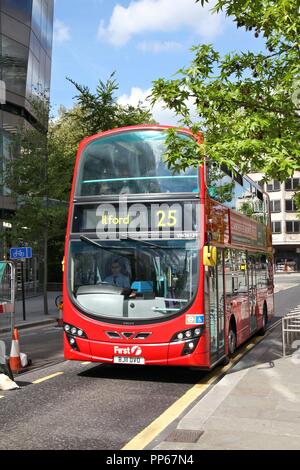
(285, 223)
(26, 30)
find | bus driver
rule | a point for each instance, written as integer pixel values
(117, 278)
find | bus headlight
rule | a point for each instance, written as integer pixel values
(74, 331)
(72, 342)
(190, 346)
(186, 335)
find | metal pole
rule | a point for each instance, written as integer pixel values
(283, 336)
(13, 295)
(23, 290)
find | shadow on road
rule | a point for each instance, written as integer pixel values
(176, 375)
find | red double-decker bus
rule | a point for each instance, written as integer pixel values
(162, 268)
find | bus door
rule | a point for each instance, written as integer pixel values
(252, 294)
(214, 279)
(238, 301)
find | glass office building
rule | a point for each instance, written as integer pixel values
(26, 29)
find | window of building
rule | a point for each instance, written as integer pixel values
(49, 27)
(14, 65)
(17, 9)
(293, 226)
(273, 186)
(290, 205)
(292, 183)
(276, 227)
(37, 17)
(275, 206)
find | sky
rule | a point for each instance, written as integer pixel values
(141, 40)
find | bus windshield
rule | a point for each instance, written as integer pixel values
(131, 162)
(132, 280)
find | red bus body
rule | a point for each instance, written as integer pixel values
(228, 229)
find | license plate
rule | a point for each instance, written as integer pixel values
(128, 360)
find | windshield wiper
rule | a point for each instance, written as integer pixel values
(131, 239)
(142, 242)
(85, 239)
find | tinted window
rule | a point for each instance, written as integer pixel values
(273, 186)
(236, 192)
(293, 226)
(14, 65)
(19, 9)
(220, 185)
(275, 206)
(292, 183)
(289, 205)
(160, 279)
(131, 162)
(276, 227)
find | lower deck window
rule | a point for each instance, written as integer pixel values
(134, 279)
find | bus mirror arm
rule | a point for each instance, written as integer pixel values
(209, 237)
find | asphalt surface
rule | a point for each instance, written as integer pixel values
(42, 344)
(287, 293)
(88, 406)
(98, 407)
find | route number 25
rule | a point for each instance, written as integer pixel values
(166, 218)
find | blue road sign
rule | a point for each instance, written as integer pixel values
(20, 253)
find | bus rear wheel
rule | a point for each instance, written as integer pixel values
(265, 321)
(231, 339)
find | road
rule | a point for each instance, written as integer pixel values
(67, 405)
(44, 344)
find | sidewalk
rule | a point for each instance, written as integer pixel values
(34, 308)
(255, 406)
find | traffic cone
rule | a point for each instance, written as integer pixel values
(14, 359)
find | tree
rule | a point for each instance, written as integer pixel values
(39, 174)
(247, 104)
(100, 111)
(32, 179)
(91, 114)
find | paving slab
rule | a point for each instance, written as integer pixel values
(255, 406)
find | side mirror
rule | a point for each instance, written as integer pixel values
(209, 255)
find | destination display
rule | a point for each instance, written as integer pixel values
(178, 219)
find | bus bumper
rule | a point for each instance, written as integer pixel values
(168, 354)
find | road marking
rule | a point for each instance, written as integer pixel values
(1, 396)
(270, 328)
(85, 363)
(47, 378)
(147, 435)
(282, 287)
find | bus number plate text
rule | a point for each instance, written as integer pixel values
(129, 360)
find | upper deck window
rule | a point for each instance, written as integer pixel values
(236, 192)
(131, 162)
